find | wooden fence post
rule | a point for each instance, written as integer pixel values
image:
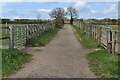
(118, 39)
(6, 24)
(100, 28)
(109, 43)
(42, 29)
(97, 34)
(11, 46)
(90, 30)
(94, 32)
(113, 41)
(27, 33)
(79, 24)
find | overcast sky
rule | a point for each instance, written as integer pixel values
(29, 10)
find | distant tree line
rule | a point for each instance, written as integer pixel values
(105, 21)
(23, 21)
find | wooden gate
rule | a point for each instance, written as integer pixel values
(105, 36)
(18, 36)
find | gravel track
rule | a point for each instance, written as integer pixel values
(63, 57)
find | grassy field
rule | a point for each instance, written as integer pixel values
(114, 27)
(86, 40)
(12, 60)
(103, 64)
(44, 39)
(67, 22)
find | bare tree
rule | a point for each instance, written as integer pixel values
(72, 12)
(58, 14)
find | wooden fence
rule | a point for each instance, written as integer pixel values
(107, 37)
(106, 23)
(19, 34)
(4, 28)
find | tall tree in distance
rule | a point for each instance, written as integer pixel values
(72, 12)
(57, 14)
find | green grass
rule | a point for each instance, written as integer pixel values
(114, 27)
(13, 60)
(67, 22)
(86, 40)
(103, 64)
(44, 39)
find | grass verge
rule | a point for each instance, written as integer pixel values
(86, 40)
(44, 39)
(100, 62)
(103, 64)
(12, 60)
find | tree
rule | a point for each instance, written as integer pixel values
(72, 12)
(57, 14)
(114, 21)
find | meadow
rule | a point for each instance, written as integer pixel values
(114, 27)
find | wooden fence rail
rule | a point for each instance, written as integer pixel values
(107, 37)
(19, 34)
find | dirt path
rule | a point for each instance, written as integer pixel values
(63, 57)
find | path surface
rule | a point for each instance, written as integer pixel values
(63, 57)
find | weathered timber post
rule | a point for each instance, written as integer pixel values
(91, 30)
(38, 30)
(35, 28)
(42, 29)
(100, 34)
(109, 42)
(79, 24)
(113, 41)
(83, 26)
(6, 26)
(119, 43)
(11, 45)
(95, 32)
(27, 33)
(45, 27)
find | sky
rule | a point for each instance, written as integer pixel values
(30, 10)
